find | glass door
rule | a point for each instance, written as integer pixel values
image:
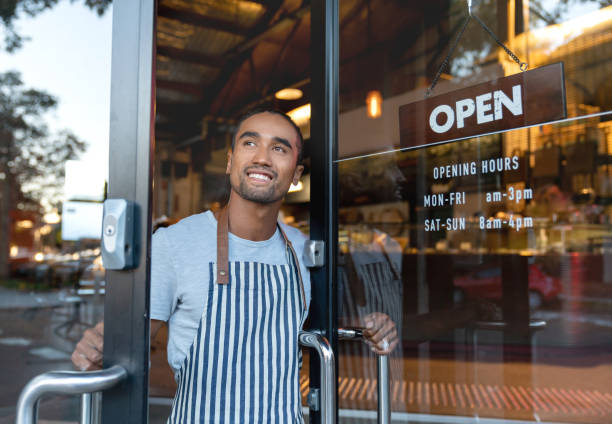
(497, 278)
(54, 123)
(51, 299)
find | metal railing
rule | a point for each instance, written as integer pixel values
(327, 373)
(384, 383)
(85, 383)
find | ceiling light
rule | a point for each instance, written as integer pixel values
(289, 94)
(374, 104)
(300, 115)
(296, 187)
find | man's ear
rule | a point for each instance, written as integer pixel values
(229, 162)
(297, 174)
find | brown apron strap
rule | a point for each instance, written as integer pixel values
(222, 247)
(223, 251)
(297, 264)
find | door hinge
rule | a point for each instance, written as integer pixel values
(314, 399)
(314, 253)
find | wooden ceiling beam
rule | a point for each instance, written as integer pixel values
(189, 56)
(241, 52)
(181, 87)
(199, 20)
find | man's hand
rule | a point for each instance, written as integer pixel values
(380, 333)
(88, 353)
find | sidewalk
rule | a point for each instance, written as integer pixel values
(38, 332)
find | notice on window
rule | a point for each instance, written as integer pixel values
(528, 98)
(511, 196)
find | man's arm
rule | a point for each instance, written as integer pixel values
(87, 355)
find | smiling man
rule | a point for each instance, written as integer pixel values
(234, 292)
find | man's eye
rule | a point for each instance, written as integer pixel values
(280, 149)
(249, 143)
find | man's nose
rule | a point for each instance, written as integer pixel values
(262, 156)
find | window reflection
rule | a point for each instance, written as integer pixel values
(504, 287)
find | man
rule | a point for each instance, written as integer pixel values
(234, 292)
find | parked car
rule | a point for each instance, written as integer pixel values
(486, 283)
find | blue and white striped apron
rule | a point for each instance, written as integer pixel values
(243, 364)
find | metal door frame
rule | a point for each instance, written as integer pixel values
(324, 33)
(131, 147)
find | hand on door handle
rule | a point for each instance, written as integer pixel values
(87, 355)
(380, 333)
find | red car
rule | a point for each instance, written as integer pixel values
(487, 284)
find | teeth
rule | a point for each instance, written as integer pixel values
(260, 177)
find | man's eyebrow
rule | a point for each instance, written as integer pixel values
(249, 134)
(284, 142)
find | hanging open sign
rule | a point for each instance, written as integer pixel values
(519, 100)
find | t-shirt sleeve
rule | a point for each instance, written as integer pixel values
(163, 277)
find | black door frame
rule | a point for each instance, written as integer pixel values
(131, 147)
(324, 34)
(131, 153)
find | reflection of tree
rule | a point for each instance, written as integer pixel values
(476, 46)
(544, 13)
(12, 9)
(31, 158)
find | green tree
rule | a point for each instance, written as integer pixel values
(32, 157)
(10, 10)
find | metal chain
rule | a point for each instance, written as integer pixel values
(448, 56)
(522, 65)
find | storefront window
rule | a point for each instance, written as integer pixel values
(498, 278)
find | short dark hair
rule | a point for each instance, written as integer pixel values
(277, 112)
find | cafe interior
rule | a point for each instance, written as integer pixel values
(509, 322)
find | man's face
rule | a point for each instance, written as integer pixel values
(263, 163)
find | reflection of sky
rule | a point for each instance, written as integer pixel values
(554, 36)
(574, 8)
(69, 56)
(582, 13)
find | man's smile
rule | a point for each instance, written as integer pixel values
(259, 175)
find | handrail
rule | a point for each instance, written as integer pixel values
(327, 373)
(384, 383)
(65, 382)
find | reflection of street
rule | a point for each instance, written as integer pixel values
(37, 333)
(484, 389)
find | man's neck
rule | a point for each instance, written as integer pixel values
(252, 221)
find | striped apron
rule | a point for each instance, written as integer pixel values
(243, 364)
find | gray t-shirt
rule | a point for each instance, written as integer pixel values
(180, 257)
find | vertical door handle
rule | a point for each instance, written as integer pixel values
(384, 384)
(65, 382)
(327, 373)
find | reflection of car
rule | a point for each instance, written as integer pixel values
(486, 283)
(54, 270)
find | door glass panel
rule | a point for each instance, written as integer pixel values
(497, 278)
(215, 61)
(54, 121)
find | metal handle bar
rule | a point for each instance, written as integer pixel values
(327, 373)
(384, 383)
(65, 382)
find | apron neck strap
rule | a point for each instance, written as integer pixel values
(223, 250)
(223, 245)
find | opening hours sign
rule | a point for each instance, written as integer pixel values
(524, 99)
